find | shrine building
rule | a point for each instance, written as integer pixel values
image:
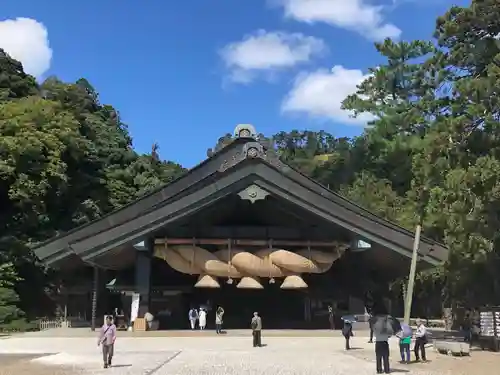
(242, 230)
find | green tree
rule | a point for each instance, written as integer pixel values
(8, 275)
(395, 94)
(65, 159)
(377, 196)
(14, 83)
(39, 141)
(435, 139)
(9, 312)
(309, 152)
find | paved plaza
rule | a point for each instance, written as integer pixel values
(208, 355)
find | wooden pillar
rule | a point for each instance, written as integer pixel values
(143, 275)
(307, 309)
(95, 287)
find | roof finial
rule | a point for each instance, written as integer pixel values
(245, 131)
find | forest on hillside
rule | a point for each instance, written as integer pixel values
(431, 155)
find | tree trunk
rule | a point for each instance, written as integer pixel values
(448, 318)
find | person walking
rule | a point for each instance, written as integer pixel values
(370, 322)
(218, 320)
(107, 338)
(382, 351)
(202, 318)
(256, 325)
(331, 317)
(193, 317)
(420, 341)
(347, 333)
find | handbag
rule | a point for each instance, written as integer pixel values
(104, 335)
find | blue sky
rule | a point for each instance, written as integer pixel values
(183, 73)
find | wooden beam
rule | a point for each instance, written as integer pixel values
(257, 232)
(243, 242)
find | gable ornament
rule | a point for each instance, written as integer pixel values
(253, 193)
(256, 146)
(245, 131)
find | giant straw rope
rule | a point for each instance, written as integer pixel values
(247, 266)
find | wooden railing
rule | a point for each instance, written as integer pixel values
(429, 323)
(44, 324)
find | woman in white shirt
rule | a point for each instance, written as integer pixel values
(420, 341)
(202, 318)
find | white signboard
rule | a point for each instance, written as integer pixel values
(134, 307)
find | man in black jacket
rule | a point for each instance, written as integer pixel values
(256, 325)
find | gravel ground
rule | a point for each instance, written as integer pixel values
(19, 364)
(478, 363)
(222, 355)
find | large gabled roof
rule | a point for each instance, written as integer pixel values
(244, 162)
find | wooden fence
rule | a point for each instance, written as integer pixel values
(44, 324)
(429, 323)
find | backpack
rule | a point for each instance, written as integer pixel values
(254, 324)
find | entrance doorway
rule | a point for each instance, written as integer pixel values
(278, 308)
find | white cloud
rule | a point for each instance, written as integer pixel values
(356, 15)
(320, 94)
(26, 40)
(268, 52)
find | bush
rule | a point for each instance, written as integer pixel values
(19, 325)
(9, 312)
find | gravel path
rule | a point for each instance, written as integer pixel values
(16, 364)
(221, 355)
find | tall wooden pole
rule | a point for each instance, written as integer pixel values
(411, 276)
